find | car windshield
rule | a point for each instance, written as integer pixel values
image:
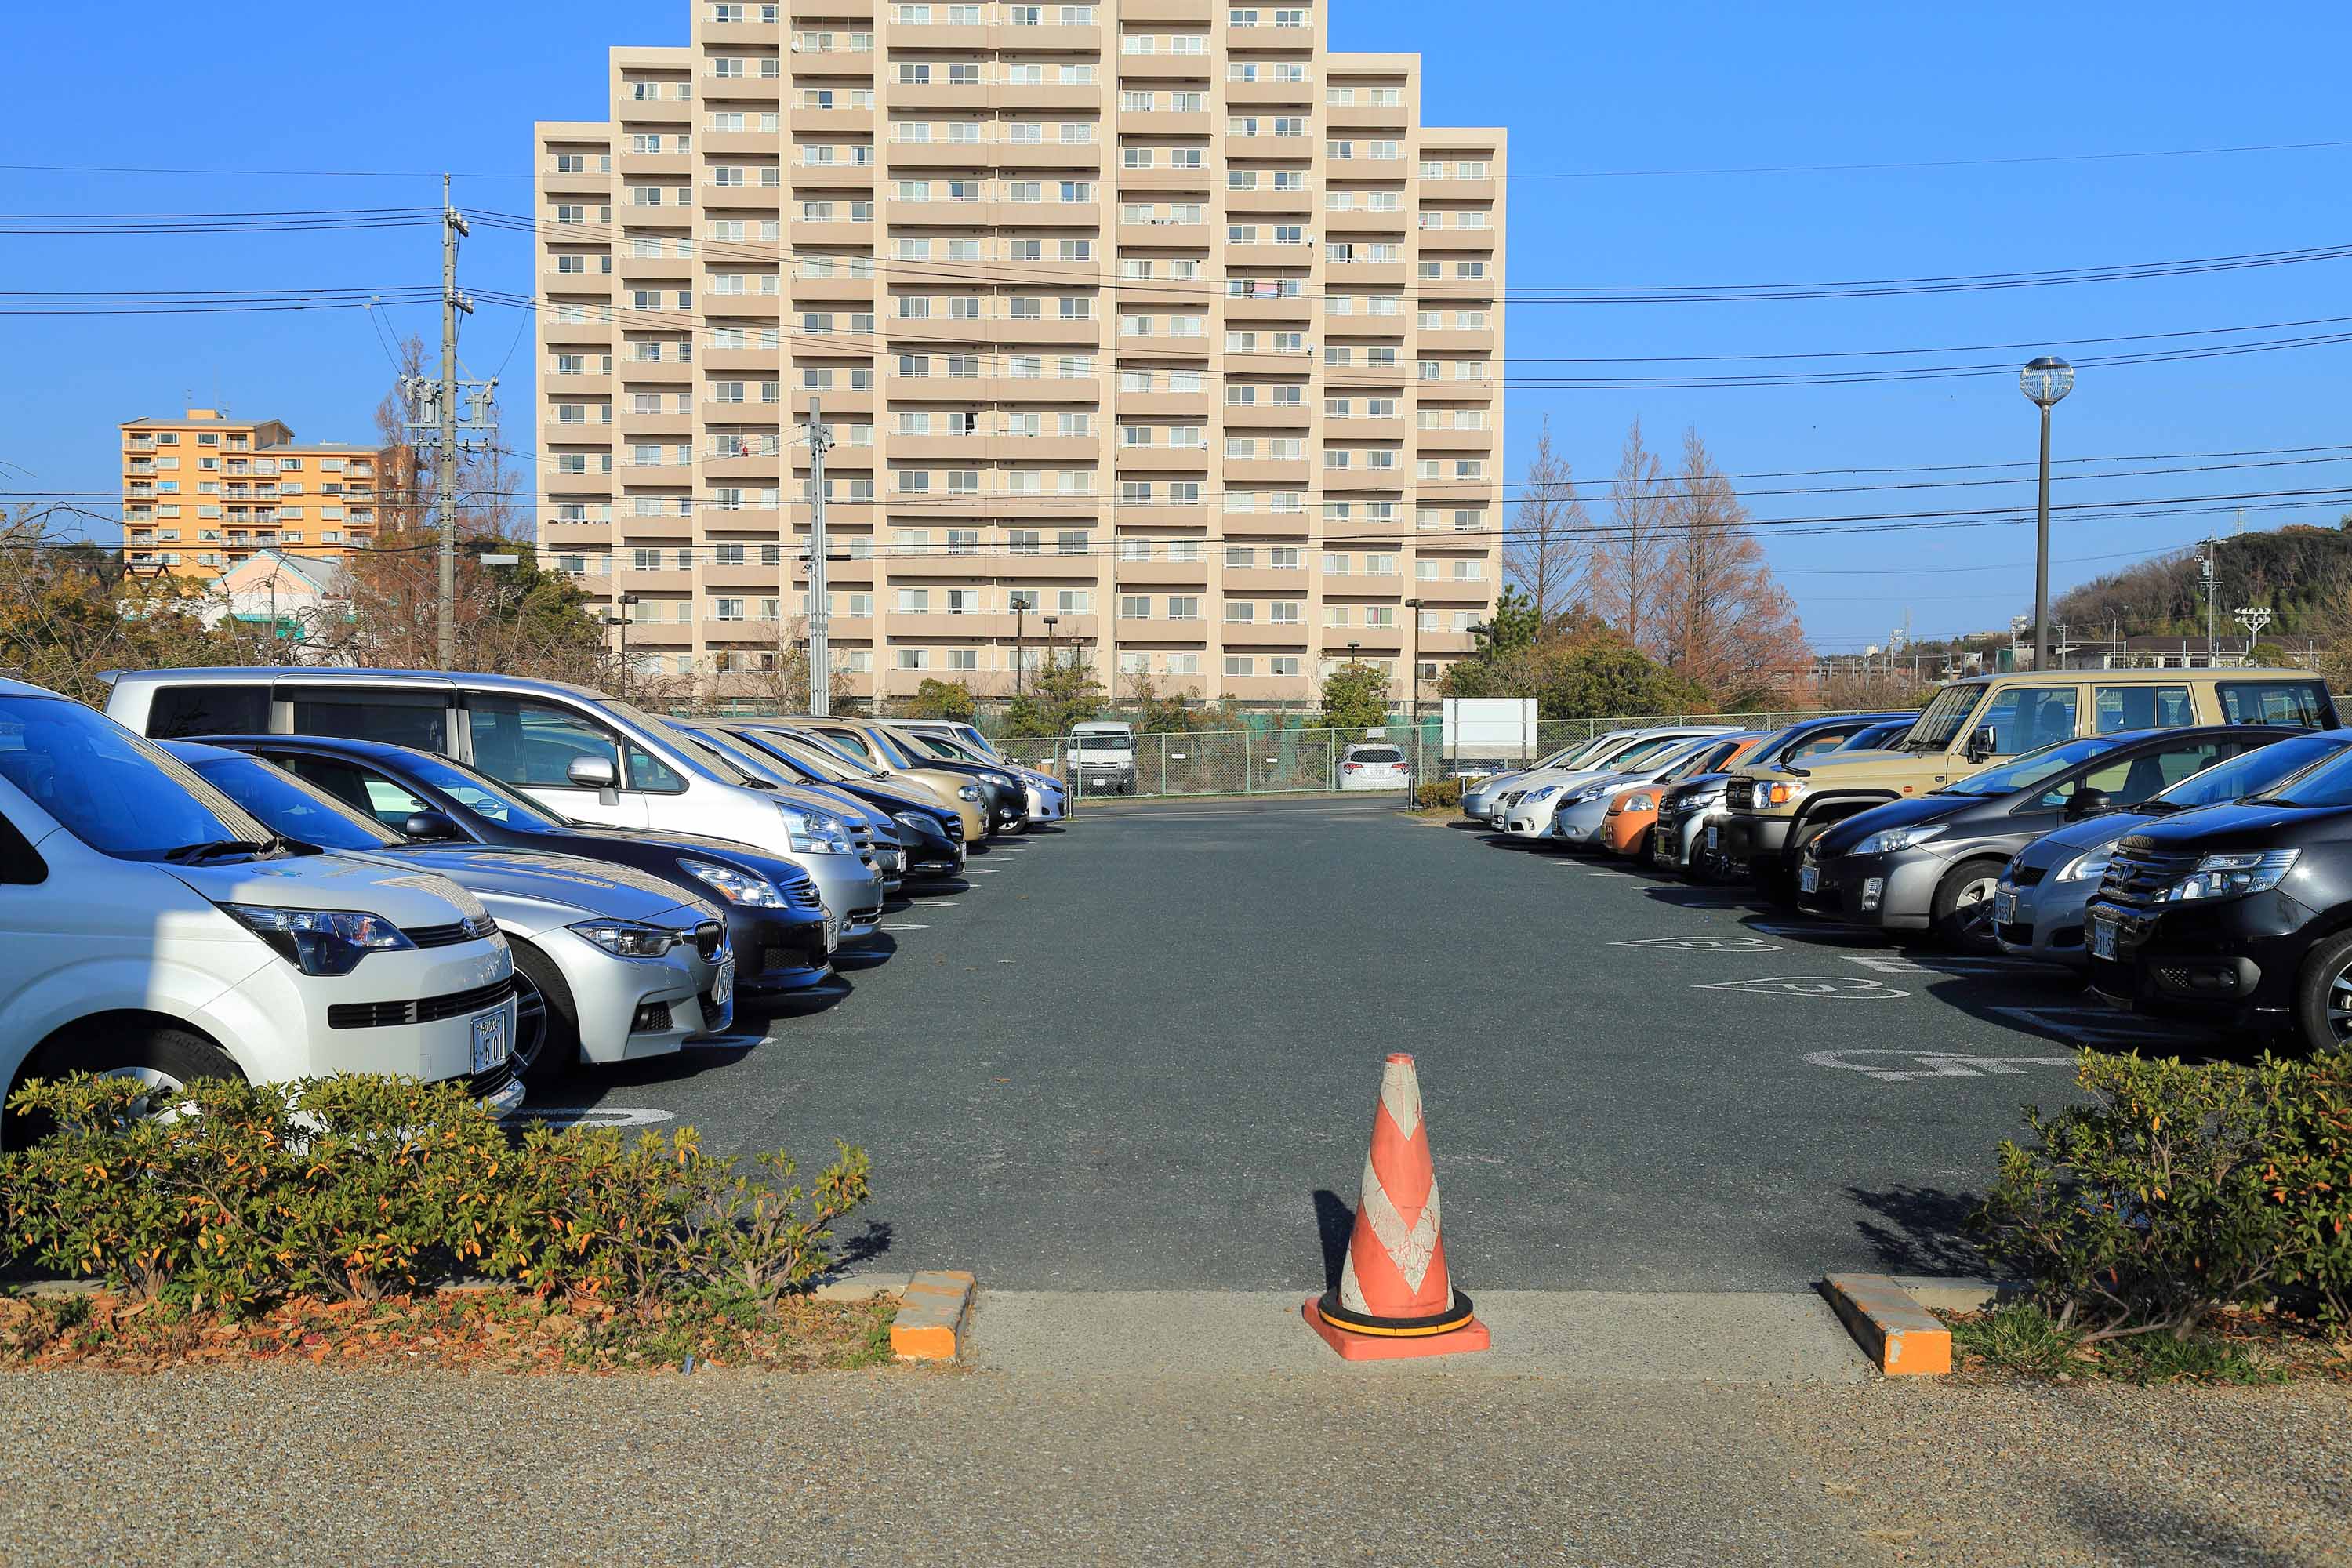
(2033, 768)
(2329, 783)
(1944, 718)
(2257, 771)
(119, 794)
(701, 753)
(291, 807)
(746, 757)
(1706, 761)
(1637, 753)
(479, 793)
(1875, 736)
(932, 744)
(822, 760)
(864, 766)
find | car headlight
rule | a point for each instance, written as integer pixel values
(1541, 792)
(1002, 781)
(628, 938)
(737, 887)
(1643, 802)
(2089, 866)
(1589, 792)
(968, 792)
(1895, 838)
(319, 941)
(815, 833)
(916, 825)
(2233, 875)
(1784, 792)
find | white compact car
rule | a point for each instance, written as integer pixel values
(1581, 811)
(1482, 802)
(1527, 806)
(1373, 767)
(147, 925)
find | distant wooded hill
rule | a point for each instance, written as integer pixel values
(2292, 571)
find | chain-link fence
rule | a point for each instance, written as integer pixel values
(1276, 759)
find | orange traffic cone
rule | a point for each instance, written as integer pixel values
(1395, 1298)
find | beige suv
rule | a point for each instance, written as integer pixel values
(1771, 812)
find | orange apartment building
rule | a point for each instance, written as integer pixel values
(203, 492)
(1162, 318)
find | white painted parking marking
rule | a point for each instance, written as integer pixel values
(1954, 968)
(592, 1116)
(1887, 1066)
(1704, 944)
(905, 926)
(985, 870)
(1819, 987)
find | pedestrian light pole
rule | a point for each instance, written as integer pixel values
(1413, 608)
(622, 620)
(1049, 642)
(2046, 380)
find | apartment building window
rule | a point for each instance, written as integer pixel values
(1283, 613)
(1240, 665)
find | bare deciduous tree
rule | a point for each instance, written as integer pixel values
(1726, 624)
(1549, 548)
(1628, 574)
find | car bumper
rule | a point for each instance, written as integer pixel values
(850, 889)
(1627, 831)
(1752, 840)
(1579, 824)
(778, 951)
(292, 1025)
(629, 1008)
(2234, 963)
(1894, 892)
(2045, 924)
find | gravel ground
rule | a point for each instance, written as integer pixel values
(285, 1464)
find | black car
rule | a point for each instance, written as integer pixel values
(1932, 863)
(2239, 914)
(775, 919)
(933, 840)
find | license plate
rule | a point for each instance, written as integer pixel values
(490, 1040)
(832, 928)
(2004, 906)
(1711, 834)
(724, 987)
(1809, 879)
(2103, 937)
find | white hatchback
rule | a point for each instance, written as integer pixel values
(1373, 767)
(149, 926)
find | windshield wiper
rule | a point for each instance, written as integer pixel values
(188, 854)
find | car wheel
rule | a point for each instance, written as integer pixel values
(166, 1057)
(1963, 908)
(547, 1019)
(2322, 999)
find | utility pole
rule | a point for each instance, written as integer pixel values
(2211, 582)
(819, 656)
(453, 228)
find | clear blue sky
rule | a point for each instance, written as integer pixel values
(1583, 88)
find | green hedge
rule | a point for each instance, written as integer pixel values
(2183, 1188)
(240, 1196)
(1437, 792)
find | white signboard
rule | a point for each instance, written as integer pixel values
(1488, 726)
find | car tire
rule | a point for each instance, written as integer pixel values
(547, 1018)
(167, 1056)
(2326, 986)
(1962, 914)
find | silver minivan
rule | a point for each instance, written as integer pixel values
(590, 757)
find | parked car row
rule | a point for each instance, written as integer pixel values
(279, 873)
(2181, 838)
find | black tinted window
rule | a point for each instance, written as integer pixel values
(179, 712)
(20, 864)
(2303, 703)
(393, 715)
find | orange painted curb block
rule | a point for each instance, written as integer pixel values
(1903, 1338)
(930, 1324)
(1470, 1336)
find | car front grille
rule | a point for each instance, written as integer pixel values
(1739, 795)
(450, 936)
(2137, 873)
(2029, 876)
(800, 889)
(954, 826)
(709, 938)
(425, 1010)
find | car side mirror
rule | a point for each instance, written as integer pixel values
(1981, 744)
(2089, 803)
(431, 826)
(592, 772)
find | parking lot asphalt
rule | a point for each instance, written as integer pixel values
(1142, 1054)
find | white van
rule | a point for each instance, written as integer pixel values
(1102, 752)
(590, 757)
(149, 926)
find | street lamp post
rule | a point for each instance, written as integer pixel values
(1049, 641)
(1020, 639)
(622, 620)
(2045, 381)
(1412, 607)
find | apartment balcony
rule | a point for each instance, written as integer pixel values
(1356, 479)
(1297, 205)
(1362, 432)
(1478, 240)
(819, 236)
(1456, 591)
(1047, 567)
(1247, 473)
(1165, 404)
(1298, 148)
(1158, 572)
(1135, 460)
(746, 579)
(1134, 183)
(823, 177)
(1374, 641)
(745, 362)
(839, 404)
(901, 157)
(1051, 158)
(1461, 190)
(650, 272)
(1294, 94)
(1455, 441)
(637, 375)
(669, 168)
(1160, 520)
(1349, 275)
(830, 292)
(1242, 257)
(1169, 122)
(1252, 582)
(1245, 416)
(1362, 223)
(1270, 525)
(1164, 236)
(1364, 377)
(594, 333)
(591, 185)
(629, 580)
(642, 426)
(1245, 311)
(937, 94)
(636, 530)
(856, 121)
(1241, 362)
(908, 626)
(1158, 633)
(1447, 643)
(1167, 10)
(1247, 636)
(1340, 119)
(1041, 40)
(1189, 71)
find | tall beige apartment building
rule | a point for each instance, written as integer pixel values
(203, 492)
(1159, 318)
